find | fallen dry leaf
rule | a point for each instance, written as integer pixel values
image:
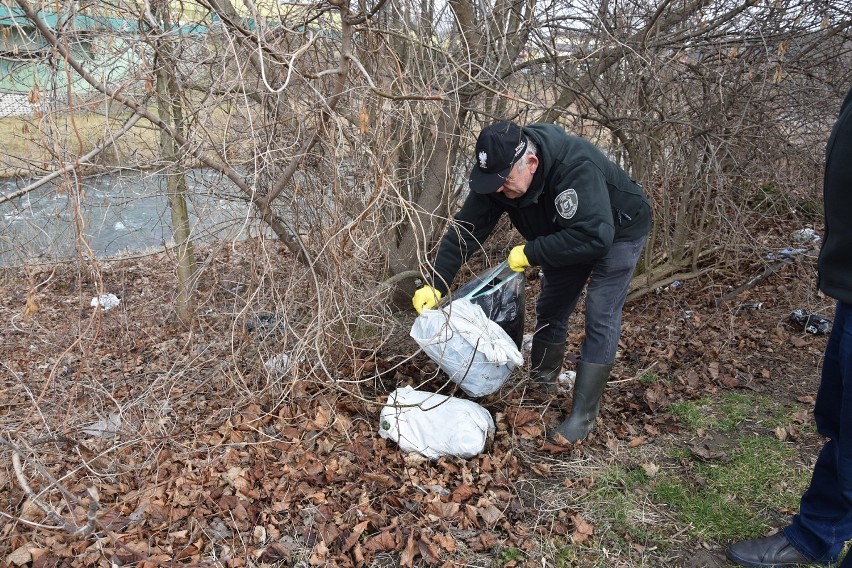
(383, 541)
(441, 510)
(713, 369)
(637, 441)
(490, 514)
(522, 416)
(650, 469)
(355, 535)
(542, 469)
(802, 416)
(706, 454)
(427, 550)
(582, 529)
(464, 492)
(407, 556)
(445, 541)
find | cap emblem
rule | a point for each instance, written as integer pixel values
(483, 157)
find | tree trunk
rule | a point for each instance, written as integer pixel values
(170, 112)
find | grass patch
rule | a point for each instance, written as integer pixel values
(510, 554)
(661, 502)
(626, 521)
(649, 378)
(734, 409)
(693, 415)
(722, 499)
(730, 411)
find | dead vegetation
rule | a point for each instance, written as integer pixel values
(251, 438)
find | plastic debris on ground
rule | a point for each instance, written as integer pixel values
(277, 364)
(105, 301)
(811, 323)
(434, 425)
(806, 235)
(526, 342)
(565, 380)
(801, 236)
(676, 285)
(266, 324)
(786, 255)
(106, 428)
(474, 351)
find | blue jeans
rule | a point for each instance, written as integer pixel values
(824, 521)
(609, 281)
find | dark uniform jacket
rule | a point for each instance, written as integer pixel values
(578, 204)
(835, 258)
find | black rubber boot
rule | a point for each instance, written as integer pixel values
(588, 388)
(545, 364)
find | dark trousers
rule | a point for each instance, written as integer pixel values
(824, 521)
(608, 283)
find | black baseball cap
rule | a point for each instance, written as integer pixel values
(498, 148)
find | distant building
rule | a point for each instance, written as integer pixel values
(32, 73)
(105, 41)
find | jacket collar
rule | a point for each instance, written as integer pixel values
(530, 197)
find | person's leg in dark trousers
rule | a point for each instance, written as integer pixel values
(557, 299)
(559, 294)
(605, 297)
(607, 290)
(824, 521)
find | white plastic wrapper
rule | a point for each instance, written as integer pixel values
(474, 351)
(435, 425)
(105, 301)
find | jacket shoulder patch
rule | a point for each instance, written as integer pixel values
(566, 203)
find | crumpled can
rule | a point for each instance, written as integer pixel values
(811, 323)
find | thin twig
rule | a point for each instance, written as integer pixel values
(91, 512)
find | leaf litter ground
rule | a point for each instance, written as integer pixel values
(197, 459)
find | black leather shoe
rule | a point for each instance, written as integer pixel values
(770, 551)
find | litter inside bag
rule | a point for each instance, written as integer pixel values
(473, 350)
(435, 425)
(500, 293)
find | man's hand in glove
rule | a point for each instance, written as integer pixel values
(425, 298)
(517, 259)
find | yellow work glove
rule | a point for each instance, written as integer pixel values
(425, 298)
(517, 259)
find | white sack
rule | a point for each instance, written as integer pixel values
(435, 425)
(474, 351)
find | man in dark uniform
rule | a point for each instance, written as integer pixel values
(819, 531)
(584, 220)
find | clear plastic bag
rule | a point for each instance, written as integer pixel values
(500, 293)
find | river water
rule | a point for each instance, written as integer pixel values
(120, 213)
